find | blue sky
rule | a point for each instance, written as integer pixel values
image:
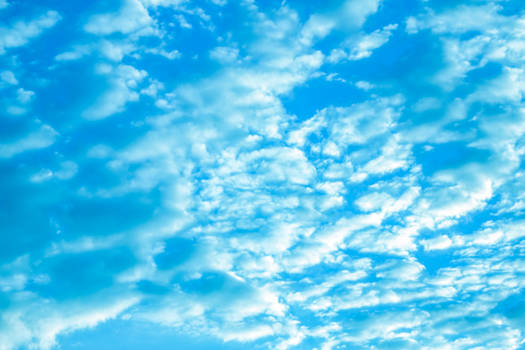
(219, 174)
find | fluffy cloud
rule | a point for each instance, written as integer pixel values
(123, 80)
(19, 33)
(130, 18)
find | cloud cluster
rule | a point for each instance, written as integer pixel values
(285, 182)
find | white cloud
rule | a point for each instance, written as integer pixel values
(224, 54)
(114, 50)
(436, 243)
(406, 270)
(78, 51)
(340, 278)
(364, 85)
(373, 201)
(42, 327)
(124, 80)
(66, 171)
(350, 125)
(280, 164)
(166, 3)
(182, 309)
(247, 334)
(426, 104)
(24, 96)
(458, 20)
(393, 156)
(20, 32)
(132, 17)
(42, 138)
(170, 55)
(508, 87)
(462, 57)
(8, 77)
(13, 282)
(22, 102)
(317, 26)
(363, 46)
(347, 17)
(499, 39)
(353, 13)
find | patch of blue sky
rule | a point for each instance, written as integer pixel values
(305, 100)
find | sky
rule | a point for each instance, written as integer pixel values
(262, 174)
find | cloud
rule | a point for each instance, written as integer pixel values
(167, 3)
(460, 19)
(436, 243)
(113, 50)
(347, 17)
(41, 329)
(363, 46)
(42, 138)
(123, 80)
(354, 13)
(350, 125)
(66, 171)
(224, 54)
(170, 55)
(497, 40)
(249, 334)
(75, 54)
(19, 33)
(8, 77)
(132, 17)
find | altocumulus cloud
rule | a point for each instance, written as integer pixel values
(217, 174)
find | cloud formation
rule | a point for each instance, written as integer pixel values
(252, 174)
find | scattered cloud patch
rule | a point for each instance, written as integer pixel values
(44, 137)
(20, 32)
